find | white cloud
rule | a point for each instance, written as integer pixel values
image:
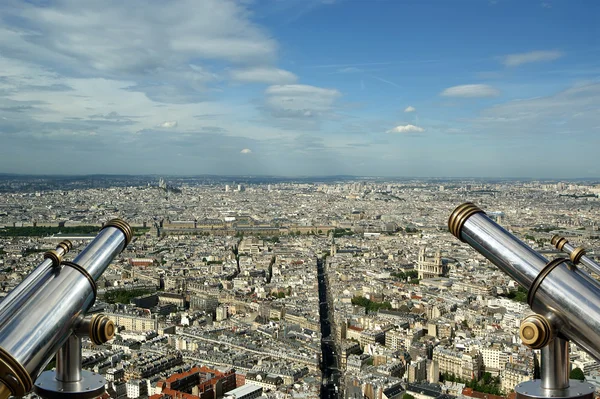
(406, 129)
(300, 100)
(512, 60)
(471, 91)
(167, 124)
(246, 151)
(410, 108)
(168, 51)
(263, 75)
(116, 37)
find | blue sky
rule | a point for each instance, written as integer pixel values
(301, 87)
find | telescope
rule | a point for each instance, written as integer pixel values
(565, 299)
(46, 314)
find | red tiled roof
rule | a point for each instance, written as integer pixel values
(480, 395)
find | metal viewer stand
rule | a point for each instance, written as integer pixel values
(565, 299)
(49, 308)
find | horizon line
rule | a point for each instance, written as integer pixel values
(50, 175)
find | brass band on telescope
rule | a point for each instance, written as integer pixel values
(102, 329)
(541, 276)
(53, 254)
(13, 375)
(559, 242)
(577, 254)
(4, 391)
(535, 331)
(85, 274)
(459, 217)
(123, 226)
(54, 257)
(66, 245)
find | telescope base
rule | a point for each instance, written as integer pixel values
(533, 390)
(90, 386)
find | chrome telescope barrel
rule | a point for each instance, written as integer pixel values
(565, 295)
(39, 322)
(51, 259)
(577, 255)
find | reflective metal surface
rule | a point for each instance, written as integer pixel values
(27, 283)
(587, 262)
(503, 249)
(68, 360)
(555, 364)
(533, 390)
(39, 321)
(96, 257)
(570, 299)
(90, 386)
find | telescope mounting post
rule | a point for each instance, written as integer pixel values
(554, 382)
(69, 380)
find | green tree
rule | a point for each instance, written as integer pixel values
(577, 374)
(487, 377)
(520, 295)
(412, 274)
(370, 305)
(399, 275)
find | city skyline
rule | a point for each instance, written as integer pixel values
(339, 289)
(490, 89)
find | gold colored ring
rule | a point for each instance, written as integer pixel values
(14, 375)
(459, 217)
(537, 281)
(535, 331)
(54, 257)
(108, 329)
(85, 273)
(102, 329)
(577, 254)
(123, 226)
(559, 242)
(66, 245)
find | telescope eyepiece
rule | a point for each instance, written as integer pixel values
(66, 245)
(123, 226)
(559, 242)
(459, 217)
(56, 255)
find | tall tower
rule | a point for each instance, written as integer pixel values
(333, 249)
(422, 255)
(421, 263)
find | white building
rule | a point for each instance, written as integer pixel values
(136, 388)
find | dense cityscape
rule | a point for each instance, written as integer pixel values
(336, 287)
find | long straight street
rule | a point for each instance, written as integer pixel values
(329, 366)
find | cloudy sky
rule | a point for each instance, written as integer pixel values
(489, 88)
